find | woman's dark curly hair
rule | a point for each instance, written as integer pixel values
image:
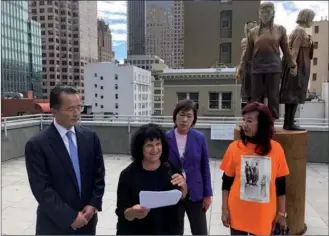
(265, 129)
(148, 132)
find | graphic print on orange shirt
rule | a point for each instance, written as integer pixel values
(255, 178)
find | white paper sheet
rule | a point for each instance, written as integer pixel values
(151, 199)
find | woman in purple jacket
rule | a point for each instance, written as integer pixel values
(188, 151)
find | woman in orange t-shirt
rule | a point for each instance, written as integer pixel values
(254, 177)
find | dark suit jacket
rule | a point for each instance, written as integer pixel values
(53, 182)
(129, 186)
(196, 163)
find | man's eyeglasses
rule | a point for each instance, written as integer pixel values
(79, 108)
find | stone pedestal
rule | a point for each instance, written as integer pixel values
(294, 144)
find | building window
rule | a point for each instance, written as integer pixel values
(101, 87)
(101, 77)
(116, 86)
(314, 77)
(116, 96)
(102, 106)
(116, 106)
(220, 101)
(96, 104)
(192, 96)
(315, 61)
(95, 95)
(225, 53)
(315, 45)
(116, 76)
(102, 97)
(95, 85)
(226, 24)
(316, 29)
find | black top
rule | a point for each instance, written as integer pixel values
(159, 221)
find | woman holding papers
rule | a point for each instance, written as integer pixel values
(188, 152)
(149, 171)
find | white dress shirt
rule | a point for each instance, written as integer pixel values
(62, 131)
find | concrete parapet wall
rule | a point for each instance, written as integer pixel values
(115, 139)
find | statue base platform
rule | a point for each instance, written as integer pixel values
(294, 144)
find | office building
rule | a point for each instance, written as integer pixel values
(160, 30)
(136, 31)
(69, 40)
(111, 88)
(213, 31)
(320, 63)
(178, 37)
(215, 91)
(105, 52)
(143, 61)
(20, 49)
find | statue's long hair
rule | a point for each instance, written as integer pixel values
(246, 30)
(271, 23)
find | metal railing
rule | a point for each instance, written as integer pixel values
(41, 119)
(156, 119)
(124, 119)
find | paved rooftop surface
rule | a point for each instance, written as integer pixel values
(19, 205)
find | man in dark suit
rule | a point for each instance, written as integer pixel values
(66, 171)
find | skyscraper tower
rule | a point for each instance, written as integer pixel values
(136, 27)
(69, 40)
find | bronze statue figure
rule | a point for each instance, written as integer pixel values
(245, 80)
(294, 87)
(263, 51)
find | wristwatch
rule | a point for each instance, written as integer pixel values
(282, 214)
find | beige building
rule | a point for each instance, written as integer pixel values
(164, 28)
(69, 40)
(320, 62)
(157, 70)
(105, 52)
(178, 46)
(213, 31)
(143, 61)
(214, 90)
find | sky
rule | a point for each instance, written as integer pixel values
(115, 13)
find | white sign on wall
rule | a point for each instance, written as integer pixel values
(222, 132)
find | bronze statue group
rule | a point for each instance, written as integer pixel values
(262, 71)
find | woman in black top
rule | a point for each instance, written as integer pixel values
(149, 171)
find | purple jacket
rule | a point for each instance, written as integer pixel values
(196, 164)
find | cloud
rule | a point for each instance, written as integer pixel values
(119, 37)
(118, 43)
(112, 6)
(114, 27)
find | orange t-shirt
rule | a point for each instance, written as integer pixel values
(252, 199)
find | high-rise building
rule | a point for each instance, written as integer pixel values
(136, 18)
(105, 52)
(20, 49)
(69, 40)
(213, 31)
(320, 63)
(35, 57)
(160, 30)
(178, 37)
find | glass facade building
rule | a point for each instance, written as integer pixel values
(21, 63)
(35, 57)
